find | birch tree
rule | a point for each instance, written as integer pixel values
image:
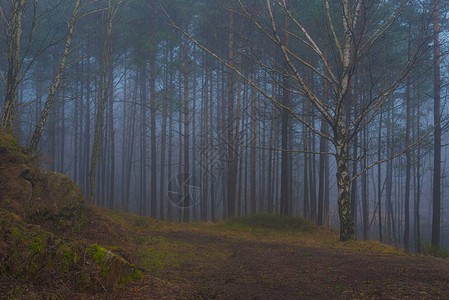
(56, 81)
(359, 35)
(13, 30)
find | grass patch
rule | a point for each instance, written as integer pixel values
(157, 253)
(269, 222)
(370, 247)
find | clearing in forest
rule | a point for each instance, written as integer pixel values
(255, 257)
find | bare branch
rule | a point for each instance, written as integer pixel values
(331, 24)
(384, 27)
(310, 95)
(405, 150)
(246, 79)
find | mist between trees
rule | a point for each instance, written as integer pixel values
(201, 110)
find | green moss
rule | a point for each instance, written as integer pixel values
(114, 268)
(15, 152)
(7, 140)
(137, 274)
(97, 252)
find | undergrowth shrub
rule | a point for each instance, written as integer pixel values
(268, 221)
(433, 250)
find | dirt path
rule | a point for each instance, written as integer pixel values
(227, 267)
(221, 261)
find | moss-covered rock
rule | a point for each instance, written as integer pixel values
(57, 196)
(33, 192)
(115, 269)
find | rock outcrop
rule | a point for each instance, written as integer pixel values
(33, 192)
(39, 210)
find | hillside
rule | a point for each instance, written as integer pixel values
(53, 246)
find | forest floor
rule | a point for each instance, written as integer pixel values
(254, 257)
(235, 261)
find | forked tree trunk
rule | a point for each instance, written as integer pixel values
(14, 65)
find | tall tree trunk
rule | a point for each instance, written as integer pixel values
(195, 183)
(418, 177)
(204, 150)
(232, 158)
(270, 193)
(125, 136)
(143, 140)
(162, 191)
(408, 159)
(211, 145)
(80, 99)
(111, 173)
(379, 167)
(103, 93)
(87, 149)
(131, 134)
(238, 157)
(306, 175)
(326, 185)
(75, 127)
(436, 210)
(170, 145)
(285, 163)
(253, 155)
(365, 185)
(187, 175)
(323, 149)
(389, 177)
(312, 177)
(153, 179)
(62, 142)
(379, 177)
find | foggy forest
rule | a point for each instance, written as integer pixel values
(199, 111)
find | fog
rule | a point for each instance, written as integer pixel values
(202, 110)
